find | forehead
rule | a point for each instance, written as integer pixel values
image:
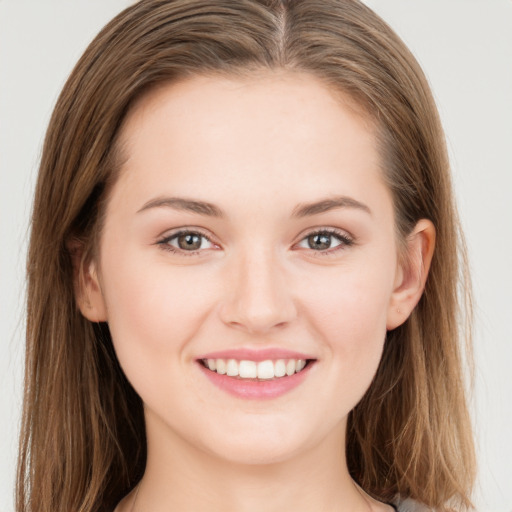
(255, 80)
(252, 99)
(259, 131)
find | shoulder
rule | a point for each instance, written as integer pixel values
(409, 505)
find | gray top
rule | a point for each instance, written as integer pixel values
(409, 505)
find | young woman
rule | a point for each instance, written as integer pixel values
(243, 271)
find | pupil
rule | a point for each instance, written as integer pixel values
(320, 241)
(189, 242)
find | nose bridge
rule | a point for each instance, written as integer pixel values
(258, 297)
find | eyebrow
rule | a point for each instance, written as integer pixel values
(190, 205)
(325, 205)
(210, 210)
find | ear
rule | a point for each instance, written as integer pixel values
(86, 283)
(412, 272)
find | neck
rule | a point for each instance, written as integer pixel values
(181, 477)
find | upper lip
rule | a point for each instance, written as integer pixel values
(247, 354)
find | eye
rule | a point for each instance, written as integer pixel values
(186, 241)
(325, 240)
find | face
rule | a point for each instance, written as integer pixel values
(250, 231)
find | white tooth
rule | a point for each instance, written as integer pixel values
(221, 366)
(300, 364)
(266, 370)
(247, 369)
(212, 365)
(280, 368)
(290, 367)
(232, 368)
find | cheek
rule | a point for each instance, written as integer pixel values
(153, 311)
(351, 302)
(349, 313)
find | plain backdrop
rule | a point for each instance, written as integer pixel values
(465, 47)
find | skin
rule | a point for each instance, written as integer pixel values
(258, 149)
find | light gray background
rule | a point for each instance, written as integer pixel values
(465, 47)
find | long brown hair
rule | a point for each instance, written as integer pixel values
(83, 440)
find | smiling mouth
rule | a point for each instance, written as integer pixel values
(256, 370)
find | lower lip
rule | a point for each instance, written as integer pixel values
(256, 389)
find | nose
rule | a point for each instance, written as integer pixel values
(258, 298)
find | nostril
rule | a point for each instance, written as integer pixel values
(257, 299)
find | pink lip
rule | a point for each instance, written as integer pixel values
(256, 355)
(255, 389)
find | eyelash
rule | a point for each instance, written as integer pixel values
(342, 236)
(165, 245)
(344, 239)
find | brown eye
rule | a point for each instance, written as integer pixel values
(186, 242)
(326, 241)
(189, 241)
(320, 241)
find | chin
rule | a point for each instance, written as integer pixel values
(267, 442)
(256, 453)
